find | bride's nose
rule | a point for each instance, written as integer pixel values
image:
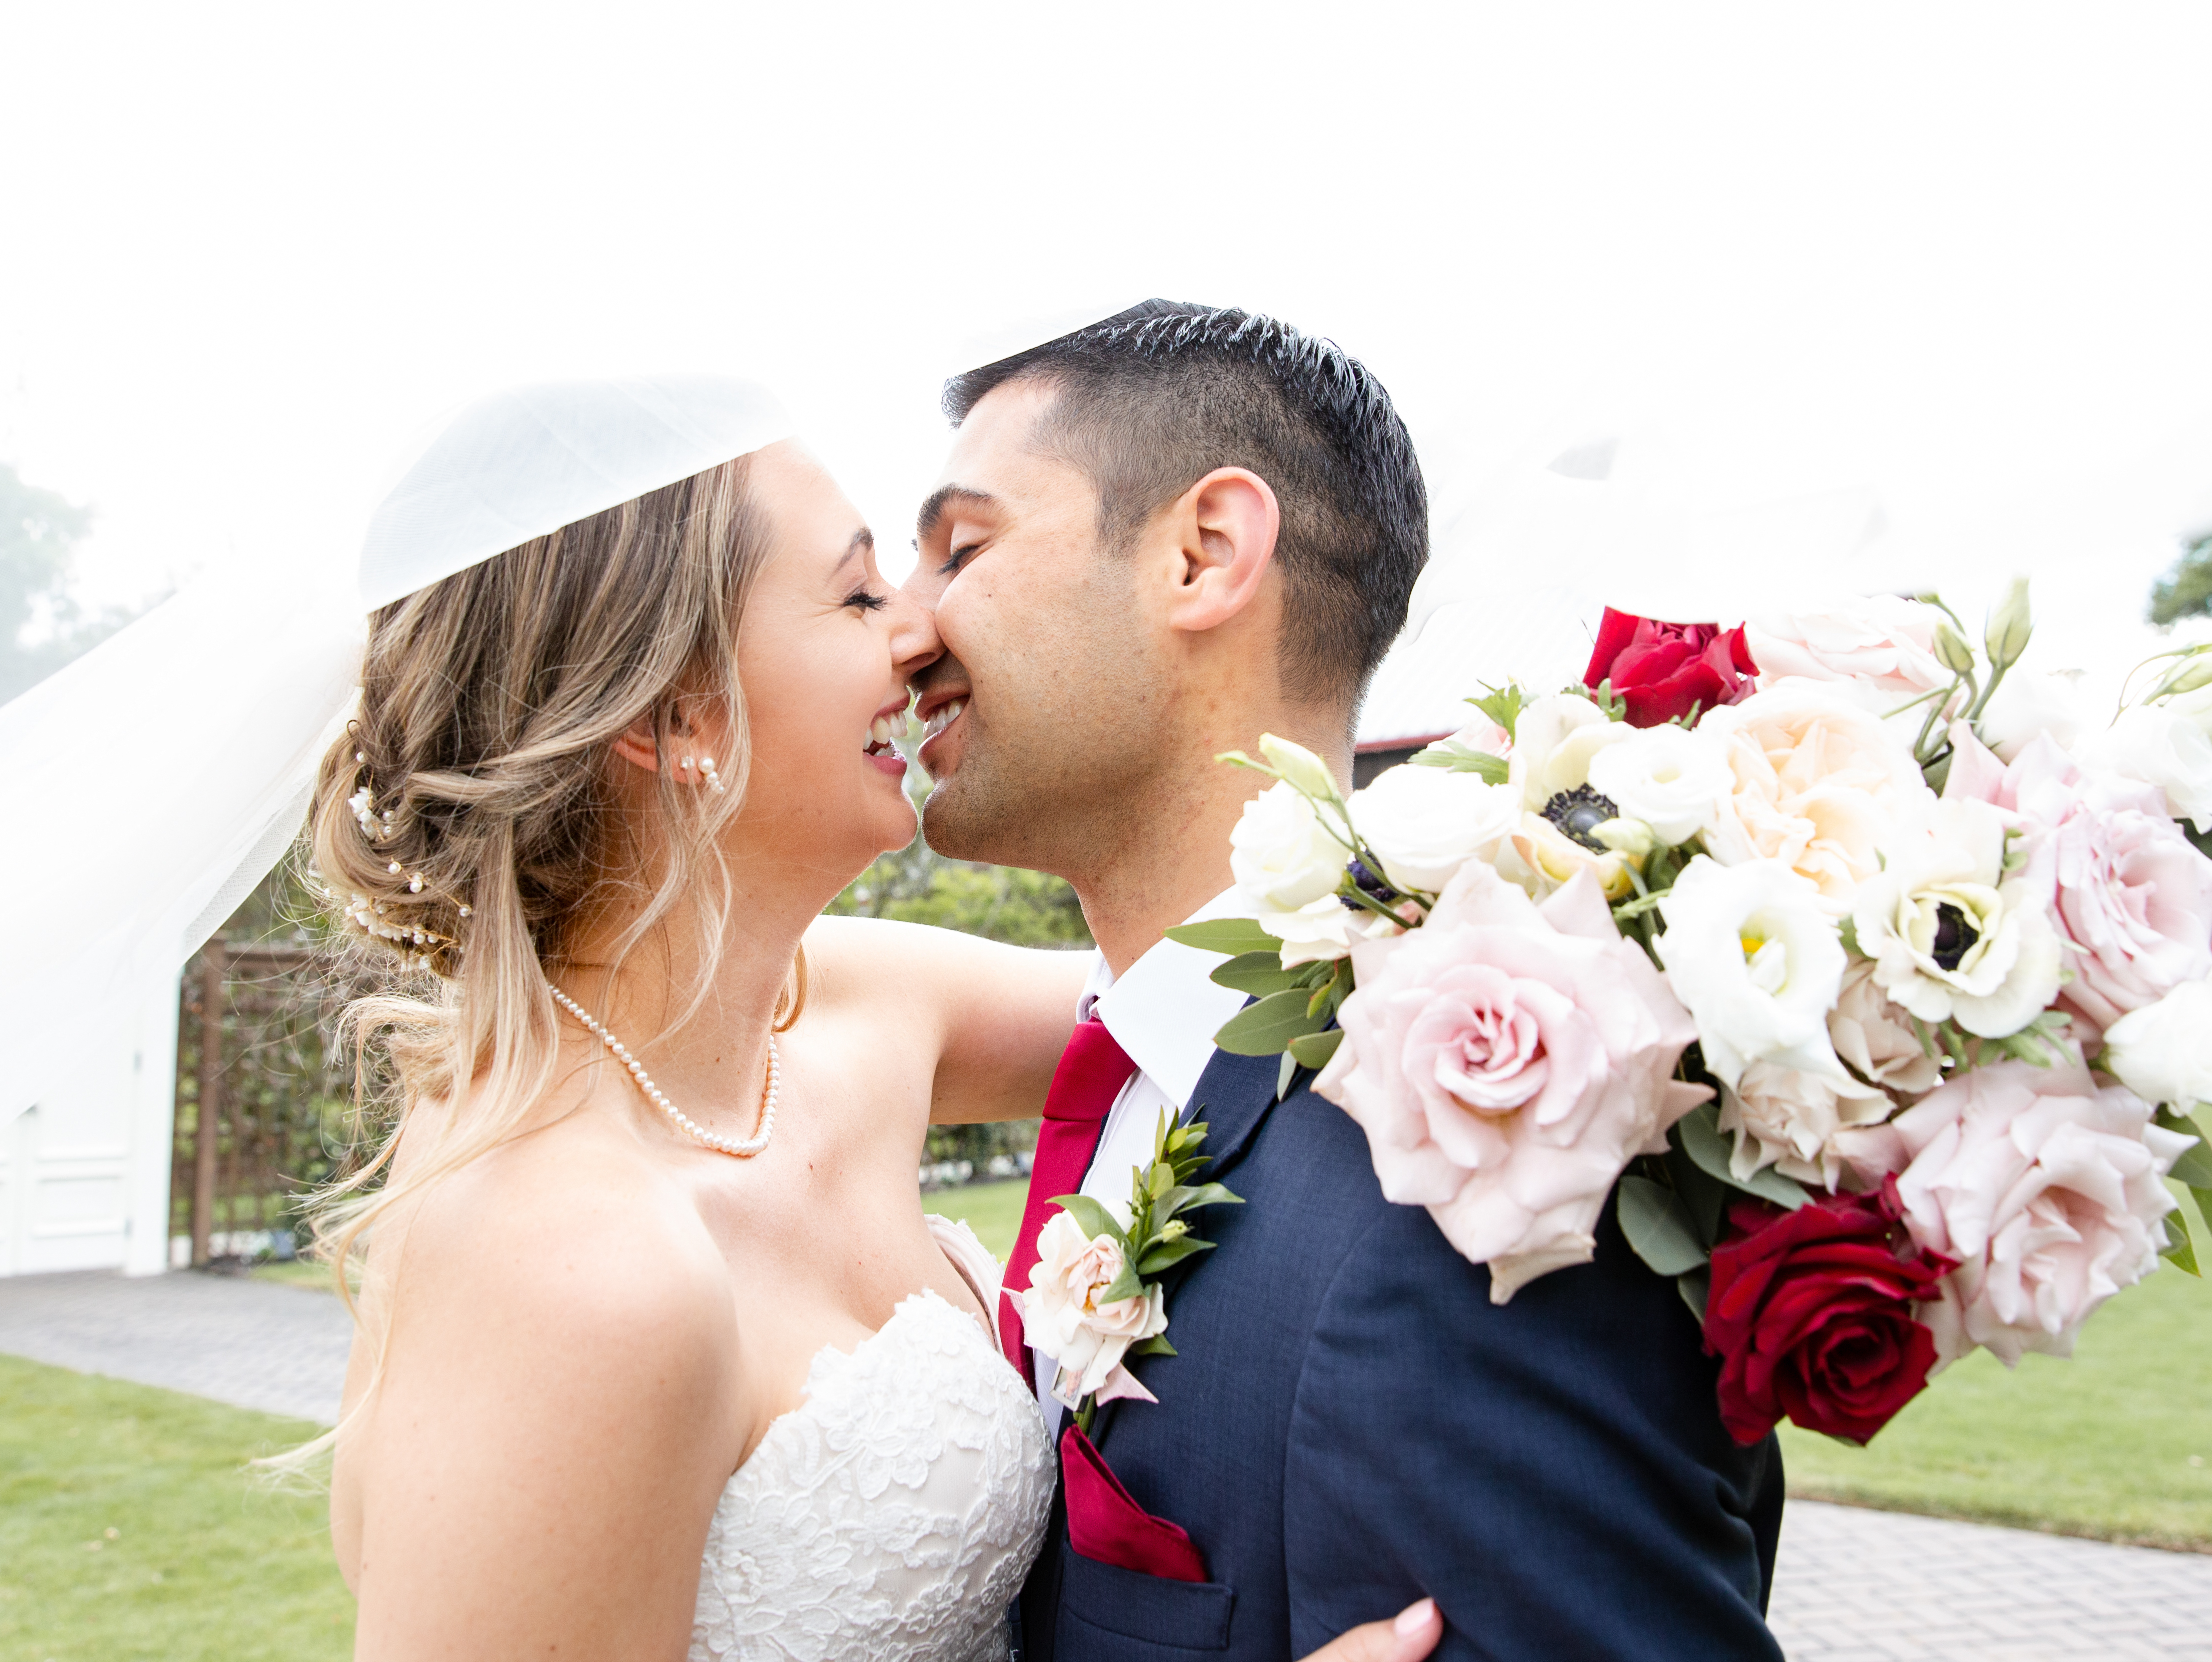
(915, 642)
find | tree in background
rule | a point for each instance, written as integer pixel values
(916, 885)
(38, 529)
(2186, 590)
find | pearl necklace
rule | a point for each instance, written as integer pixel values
(698, 1133)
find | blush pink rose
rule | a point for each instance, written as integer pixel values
(1506, 1060)
(2047, 1187)
(2129, 894)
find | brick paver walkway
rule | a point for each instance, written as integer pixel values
(1852, 1587)
(1855, 1586)
(257, 1344)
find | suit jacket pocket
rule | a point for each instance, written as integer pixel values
(1104, 1598)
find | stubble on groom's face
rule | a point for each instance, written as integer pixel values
(1048, 676)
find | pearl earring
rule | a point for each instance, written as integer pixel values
(714, 778)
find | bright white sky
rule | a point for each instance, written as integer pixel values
(1958, 254)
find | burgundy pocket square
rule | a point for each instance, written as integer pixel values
(1105, 1526)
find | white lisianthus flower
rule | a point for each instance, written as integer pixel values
(2163, 1052)
(1423, 824)
(1288, 863)
(1671, 778)
(2027, 704)
(2163, 747)
(1063, 1317)
(1951, 936)
(1750, 951)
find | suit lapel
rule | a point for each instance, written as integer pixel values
(1234, 1097)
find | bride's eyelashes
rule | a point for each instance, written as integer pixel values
(867, 600)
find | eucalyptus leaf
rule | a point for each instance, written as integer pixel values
(1704, 1142)
(1235, 936)
(1694, 1287)
(2178, 1250)
(1462, 759)
(1283, 1076)
(1314, 1050)
(1171, 1252)
(1123, 1285)
(2195, 1165)
(1267, 1027)
(1181, 1199)
(1157, 1345)
(1258, 974)
(1091, 1216)
(1706, 1199)
(1659, 1227)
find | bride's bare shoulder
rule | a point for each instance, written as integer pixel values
(564, 1238)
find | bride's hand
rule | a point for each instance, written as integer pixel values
(1407, 1638)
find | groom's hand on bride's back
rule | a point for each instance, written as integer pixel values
(1407, 1637)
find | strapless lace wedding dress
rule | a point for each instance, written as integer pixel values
(893, 1514)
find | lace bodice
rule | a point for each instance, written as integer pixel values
(894, 1513)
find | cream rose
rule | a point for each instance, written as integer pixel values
(1883, 645)
(2047, 1189)
(1821, 785)
(1951, 935)
(2163, 1052)
(1759, 962)
(1875, 1038)
(1789, 1119)
(1505, 1062)
(1063, 1317)
(1423, 824)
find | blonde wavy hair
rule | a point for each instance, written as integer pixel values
(466, 835)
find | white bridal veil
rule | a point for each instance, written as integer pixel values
(152, 782)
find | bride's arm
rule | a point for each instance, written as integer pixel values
(559, 1411)
(1000, 1015)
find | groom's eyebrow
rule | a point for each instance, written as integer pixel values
(932, 511)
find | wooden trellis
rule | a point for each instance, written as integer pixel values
(261, 1089)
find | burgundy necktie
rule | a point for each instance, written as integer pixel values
(1092, 1070)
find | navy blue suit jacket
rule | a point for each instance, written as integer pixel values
(1350, 1423)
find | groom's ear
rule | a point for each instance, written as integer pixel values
(1227, 524)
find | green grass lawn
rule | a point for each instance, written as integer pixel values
(129, 1528)
(993, 1210)
(2116, 1443)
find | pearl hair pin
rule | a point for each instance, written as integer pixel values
(696, 1132)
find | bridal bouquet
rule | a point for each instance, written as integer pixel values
(1879, 995)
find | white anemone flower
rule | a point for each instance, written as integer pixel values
(1759, 962)
(1951, 936)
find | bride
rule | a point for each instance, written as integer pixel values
(657, 1354)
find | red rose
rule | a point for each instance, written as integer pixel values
(1810, 1312)
(1667, 669)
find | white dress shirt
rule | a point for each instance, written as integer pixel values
(1164, 1013)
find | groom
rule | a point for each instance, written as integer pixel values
(1156, 539)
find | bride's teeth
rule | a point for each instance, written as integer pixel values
(880, 731)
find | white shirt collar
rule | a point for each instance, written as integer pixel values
(1165, 1011)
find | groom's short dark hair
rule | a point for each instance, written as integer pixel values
(1153, 399)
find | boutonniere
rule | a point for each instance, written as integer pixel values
(1092, 1302)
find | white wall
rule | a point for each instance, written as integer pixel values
(84, 1175)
